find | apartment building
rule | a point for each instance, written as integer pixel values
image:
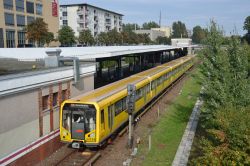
(84, 16)
(16, 14)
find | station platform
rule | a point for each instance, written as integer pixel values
(36, 152)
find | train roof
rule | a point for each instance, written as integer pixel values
(108, 90)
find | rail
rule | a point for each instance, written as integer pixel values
(78, 158)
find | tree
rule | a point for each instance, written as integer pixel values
(225, 116)
(247, 28)
(150, 25)
(199, 34)
(238, 70)
(179, 30)
(215, 70)
(247, 24)
(66, 36)
(37, 30)
(133, 38)
(103, 39)
(130, 27)
(48, 38)
(86, 37)
(114, 37)
(143, 38)
(163, 40)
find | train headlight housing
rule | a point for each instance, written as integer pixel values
(92, 135)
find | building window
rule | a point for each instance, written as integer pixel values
(21, 37)
(39, 9)
(64, 95)
(65, 22)
(31, 42)
(55, 99)
(10, 38)
(45, 100)
(9, 19)
(20, 5)
(30, 19)
(1, 38)
(30, 7)
(64, 13)
(20, 20)
(8, 4)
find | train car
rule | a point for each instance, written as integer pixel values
(90, 119)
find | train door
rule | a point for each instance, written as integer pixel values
(102, 122)
(111, 116)
(145, 93)
(78, 125)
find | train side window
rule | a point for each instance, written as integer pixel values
(148, 88)
(124, 103)
(102, 119)
(118, 107)
(139, 94)
(153, 85)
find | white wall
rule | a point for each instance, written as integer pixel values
(72, 18)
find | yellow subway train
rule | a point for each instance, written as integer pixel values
(90, 119)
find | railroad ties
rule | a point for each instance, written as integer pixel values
(78, 158)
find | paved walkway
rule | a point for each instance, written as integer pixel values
(182, 154)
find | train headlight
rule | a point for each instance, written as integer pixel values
(64, 133)
(92, 135)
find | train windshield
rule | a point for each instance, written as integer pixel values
(79, 118)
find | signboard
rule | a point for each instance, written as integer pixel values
(54, 8)
(131, 98)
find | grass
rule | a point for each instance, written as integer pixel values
(167, 133)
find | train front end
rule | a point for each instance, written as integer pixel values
(78, 124)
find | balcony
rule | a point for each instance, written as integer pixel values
(79, 29)
(108, 23)
(64, 18)
(80, 12)
(80, 20)
(107, 16)
(63, 9)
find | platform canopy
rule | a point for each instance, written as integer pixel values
(83, 53)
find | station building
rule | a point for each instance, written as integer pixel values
(30, 102)
(16, 14)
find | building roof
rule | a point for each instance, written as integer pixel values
(86, 4)
(21, 82)
(83, 53)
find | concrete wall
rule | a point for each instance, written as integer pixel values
(52, 21)
(20, 119)
(166, 30)
(153, 34)
(181, 42)
(72, 18)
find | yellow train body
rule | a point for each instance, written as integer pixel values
(91, 118)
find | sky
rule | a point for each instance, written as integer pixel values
(229, 14)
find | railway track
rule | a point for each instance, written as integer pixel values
(88, 157)
(160, 96)
(79, 158)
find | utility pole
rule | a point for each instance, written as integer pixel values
(131, 106)
(160, 19)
